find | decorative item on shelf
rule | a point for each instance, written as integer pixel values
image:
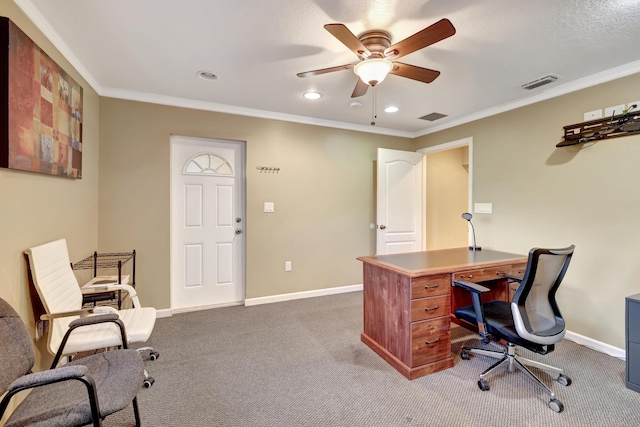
(268, 169)
(468, 217)
(625, 124)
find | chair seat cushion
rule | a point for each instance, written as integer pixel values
(499, 322)
(118, 376)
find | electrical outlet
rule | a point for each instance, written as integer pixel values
(39, 329)
(592, 115)
(615, 110)
(287, 266)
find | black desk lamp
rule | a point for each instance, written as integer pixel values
(468, 217)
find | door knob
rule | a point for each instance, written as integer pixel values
(238, 220)
(382, 227)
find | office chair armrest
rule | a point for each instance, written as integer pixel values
(90, 320)
(48, 377)
(514, 278)
(87, 321)
(476, 290)
(82, 313)
(471, 286)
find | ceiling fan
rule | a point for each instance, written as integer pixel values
(378, 56)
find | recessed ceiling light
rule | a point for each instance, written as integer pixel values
(312, 95)
(391, 109)
(355, 104)
(207, 75)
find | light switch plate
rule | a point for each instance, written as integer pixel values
(483, 208)
(269, 207)
(614, 110)
(592, 115)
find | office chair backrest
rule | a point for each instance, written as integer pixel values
(56, 284)
(535, 312)
(16, 352)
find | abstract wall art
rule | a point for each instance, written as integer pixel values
(40, 109)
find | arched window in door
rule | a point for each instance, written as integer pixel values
(208, 164)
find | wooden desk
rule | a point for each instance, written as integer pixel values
(409, 301)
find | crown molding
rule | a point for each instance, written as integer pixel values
(243, 111)
(583, 83)
(43, 25)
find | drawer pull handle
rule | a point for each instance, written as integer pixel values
(431, 308)
(462, 276)
(432, 286)
(432, 342)
(500, 273)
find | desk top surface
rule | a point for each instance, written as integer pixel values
(442, 261)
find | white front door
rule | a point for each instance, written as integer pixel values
(400, 206)
(207, 222)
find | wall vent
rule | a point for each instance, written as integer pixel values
(540, 82)
(433, 117)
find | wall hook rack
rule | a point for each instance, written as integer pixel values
(268, 169)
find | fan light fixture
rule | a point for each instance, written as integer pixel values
(373, 71)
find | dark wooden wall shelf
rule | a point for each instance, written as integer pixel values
(601, 129)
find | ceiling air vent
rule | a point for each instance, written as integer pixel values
(540, 82)
(433, 117)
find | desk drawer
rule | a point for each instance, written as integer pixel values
(430, 341)
(428, 308)
(483, 274)
(427, 286)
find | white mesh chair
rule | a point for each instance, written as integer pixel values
(61, 297)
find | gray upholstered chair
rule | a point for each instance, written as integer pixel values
(532, 320)
(81, 392)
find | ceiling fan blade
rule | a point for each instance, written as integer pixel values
(420, 74)
(325, 70)
(360, 89)
(347, 38)
(430, 35)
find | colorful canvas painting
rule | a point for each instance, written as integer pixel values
(42, 129)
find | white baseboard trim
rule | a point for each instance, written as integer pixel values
(163, 313)
(300, 295)
(618, 353)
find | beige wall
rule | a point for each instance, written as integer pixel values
(549, 197)
(323, 195)
(447, 198)
(38, 208)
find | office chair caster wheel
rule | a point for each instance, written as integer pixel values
(148, 382)
(556, 405)
(484, 385)
(464, 355)
(154, 355)
(564, 380)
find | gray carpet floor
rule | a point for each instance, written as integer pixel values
(301, 363)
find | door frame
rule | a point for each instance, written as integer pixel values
(468, 142)
(243, 198)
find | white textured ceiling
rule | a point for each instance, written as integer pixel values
(151, 50)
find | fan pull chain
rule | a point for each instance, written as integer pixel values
(374, 116)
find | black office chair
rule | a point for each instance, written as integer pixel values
(532, 320)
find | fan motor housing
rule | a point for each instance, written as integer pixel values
(376, 41)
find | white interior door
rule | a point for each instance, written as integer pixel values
(207, 223)
(400, 201)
